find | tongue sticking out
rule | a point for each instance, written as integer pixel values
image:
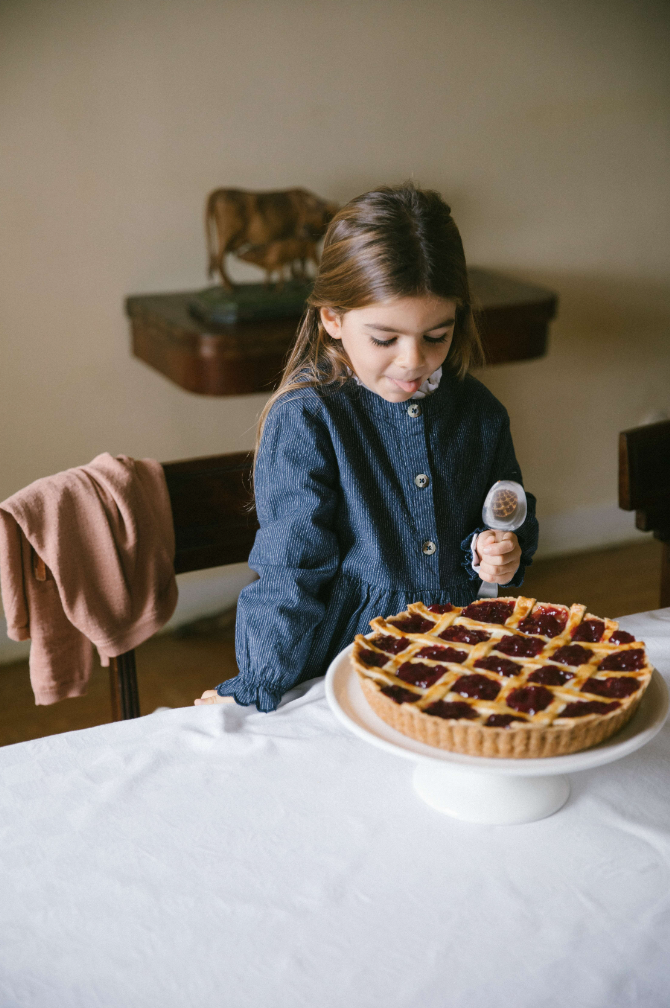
(407, 386)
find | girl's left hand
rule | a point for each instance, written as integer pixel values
(499, 558)
(210, 696)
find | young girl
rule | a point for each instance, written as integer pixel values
(376, 452)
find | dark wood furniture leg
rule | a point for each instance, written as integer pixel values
(665, 575)
(114, 691)
(123, 684)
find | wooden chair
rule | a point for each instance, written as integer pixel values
(213, 524)
(644, 486)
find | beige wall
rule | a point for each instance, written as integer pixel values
(543, 123)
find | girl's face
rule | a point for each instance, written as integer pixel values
(395, 345)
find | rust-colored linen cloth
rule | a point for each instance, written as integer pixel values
(105, 533)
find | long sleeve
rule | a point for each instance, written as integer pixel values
(506, 467)
(295, 555)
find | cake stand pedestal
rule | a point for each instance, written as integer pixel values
(492, 799)
(482, 789)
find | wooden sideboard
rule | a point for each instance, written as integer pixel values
(248, 357)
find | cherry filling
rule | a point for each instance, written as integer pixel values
(392, 645)
(522, 647)
(549, 675)
(623, 661)
(412, 624)
(572, 654)
(545, 620)
(445, 607)
(442, 654)
(502, 720)
(419, 674)
(463, 635)
(373, 658)
(399, 695)
(584, 707)
(489, 612)
(503, 666)
(529, 699)
(615, 686)
(451, 711)
(622, 637)
(589, 630)
(479, 687)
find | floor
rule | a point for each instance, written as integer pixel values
(175, 668)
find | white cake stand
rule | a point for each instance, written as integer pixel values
(482, 789)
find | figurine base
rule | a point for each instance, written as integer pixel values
(250, 302)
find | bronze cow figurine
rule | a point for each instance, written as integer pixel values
(293, 252)
(236, 219)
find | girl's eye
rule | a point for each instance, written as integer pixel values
(428, 339)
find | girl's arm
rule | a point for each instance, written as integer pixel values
(504, 562)
(295, 554)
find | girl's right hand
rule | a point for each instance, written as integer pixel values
(210, 696)
(500, 555)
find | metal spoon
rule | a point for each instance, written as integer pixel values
(504, 511)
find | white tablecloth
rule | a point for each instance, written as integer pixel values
(214, 857)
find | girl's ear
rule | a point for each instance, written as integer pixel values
(331, 322)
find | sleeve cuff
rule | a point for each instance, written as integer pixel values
(471, 561)
(476, 559)
(266, 700)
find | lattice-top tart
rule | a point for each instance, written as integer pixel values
(508, 677)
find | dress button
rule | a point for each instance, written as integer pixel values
(414, 410)
(429, 547)
(421, 480)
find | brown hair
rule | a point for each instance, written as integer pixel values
(388, 243)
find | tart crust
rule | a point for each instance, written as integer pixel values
(519, 741)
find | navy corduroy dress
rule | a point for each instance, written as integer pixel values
(348, 533)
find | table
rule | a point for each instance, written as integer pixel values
(249, 356)
(214, 856)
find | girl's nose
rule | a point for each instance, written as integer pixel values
(410, 355)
